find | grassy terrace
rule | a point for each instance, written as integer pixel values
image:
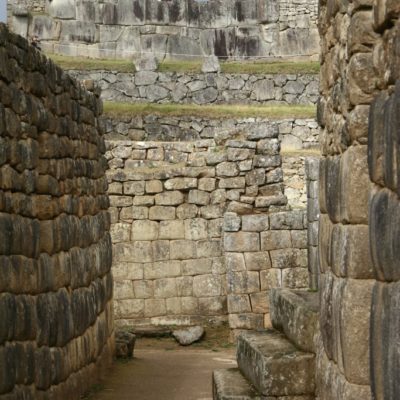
(115, 109)
(244, 67)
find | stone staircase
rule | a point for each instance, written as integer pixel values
(275, 364)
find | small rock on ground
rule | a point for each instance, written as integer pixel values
(187, 336)
(124, 344)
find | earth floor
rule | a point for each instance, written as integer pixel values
(161, 369)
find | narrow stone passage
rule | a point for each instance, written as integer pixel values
(165, 371)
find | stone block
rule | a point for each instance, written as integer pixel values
(207, 184)
(183, 249)
(160, 213)
(257, 261)
(121, 201)
(246, 321)
(289, 258)
(135, 188)
(243, 282)
(232, 183)
(209, 248)
(180, 183)
(232, 222)
(199, 197)
(127, 270)
(123, 290)
(195, 229)
(172, 198)
(144, 230)
(153, 187)
(259, 302)
(165, 288)
(355, 186)
(287, 220)
(239, 303)
(255, 223)
(295, 278)
(255, 177)
(174, 306)
(272, 352)
(129, 213)
(199, 266)
(172, 230)
(270, 278)
(129, 308)
(236, 154)
(235, 261)
(186, 211)
(212, 211)
(184, 286)
(212, 306)
(190, 305)
(215, 227)
(160, 250)
(272, 240)
(162, 269)
(143, 201)
(120, 232)
(241, 241)
(154, 307)
(354, 330)
(143, 289)
(299, 239)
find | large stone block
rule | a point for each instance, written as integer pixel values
(162, 269)
(257, 261)
(208, 285)
(243, 282)
(144, 230)
(272, 240)
(241, 241)
(172, 198)
(165, 288)
(196, 229)
(172, 230)
(183, 249)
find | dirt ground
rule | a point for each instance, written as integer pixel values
(161, 369)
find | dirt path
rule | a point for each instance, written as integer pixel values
(161, 370)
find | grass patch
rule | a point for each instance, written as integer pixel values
(115, 109)
(91, 64)
(230, 67)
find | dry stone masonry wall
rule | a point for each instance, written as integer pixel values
(294, 133)
(221, 88)
(56, 330)
(168, 203)
(176, 28)
(359, 200)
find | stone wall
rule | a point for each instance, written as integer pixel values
(294, 133)
(182, 88)
(262, 252)
(177, 28)
(56, 330)
(359, 229)
(168, 202)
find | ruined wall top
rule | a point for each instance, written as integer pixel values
(122, 28)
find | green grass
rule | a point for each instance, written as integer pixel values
(245, 67)
(91, 64)
(115, 109)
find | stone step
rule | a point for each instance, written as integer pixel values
(295, 313)
(230, 384)
(274, 365)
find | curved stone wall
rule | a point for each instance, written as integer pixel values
(177, 28)
(56, 330)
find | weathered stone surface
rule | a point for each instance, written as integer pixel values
(271, 352)
(295, 313)
(186, 337)
(124, 344)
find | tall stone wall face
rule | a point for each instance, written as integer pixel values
(56, 330)
(212, 88)
(178, 28)
(359, 189)
(170, 238)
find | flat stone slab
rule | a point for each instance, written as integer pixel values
(151, 331)
(274, 365)
(295, 313)
(230, 384)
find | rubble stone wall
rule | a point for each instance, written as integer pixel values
(177, 28)
(359, 200)
(56, 330)
(168, 202)
(222, 88)
(294, 133)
